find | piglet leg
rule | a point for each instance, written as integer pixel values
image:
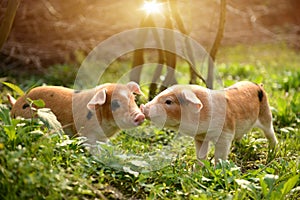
(201, 150)
(222, 146)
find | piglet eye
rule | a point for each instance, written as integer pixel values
(168, 102)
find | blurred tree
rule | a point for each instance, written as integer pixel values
(172, 20)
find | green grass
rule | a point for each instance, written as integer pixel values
(37, 162)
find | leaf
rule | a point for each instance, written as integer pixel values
(39, 103)
(37, 132)
(66, 143)
(264, 187)
(10, 132)
(284, 130)
(243, 183)
(130, 171)
(289, 185)
(85, 191)
(49, 119)
(270, 179)
(15, 88)
(250, 187)
(206, 179)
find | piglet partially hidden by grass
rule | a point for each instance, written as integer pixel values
(97, 113)
(213, 115)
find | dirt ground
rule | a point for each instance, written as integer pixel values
(48, 32)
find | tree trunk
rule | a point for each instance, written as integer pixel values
(216, 44)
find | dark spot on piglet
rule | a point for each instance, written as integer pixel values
(89, 115)
(26, 105)
(77, 91)
(114, 105)
(260, 95)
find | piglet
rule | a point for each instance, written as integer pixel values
(213, 115)
(96, 113)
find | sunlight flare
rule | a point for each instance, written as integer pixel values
(152, 7)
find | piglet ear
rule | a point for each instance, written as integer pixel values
(134, 87)
(98, 99)
(195, 103)
(11, 100)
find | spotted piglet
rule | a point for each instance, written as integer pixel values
(213, 115)
(98, 113)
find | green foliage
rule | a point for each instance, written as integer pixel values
(16, 131)
(37, 165)
(290, 81)
(38, 161)
(63, 75)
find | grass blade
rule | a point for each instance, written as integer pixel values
(289, 185)
(15, 88)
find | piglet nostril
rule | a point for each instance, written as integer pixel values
(139, 119)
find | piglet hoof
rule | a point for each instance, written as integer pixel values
(139, 119)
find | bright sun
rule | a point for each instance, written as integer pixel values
(152, 7)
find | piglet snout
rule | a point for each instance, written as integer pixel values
(139, 119)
